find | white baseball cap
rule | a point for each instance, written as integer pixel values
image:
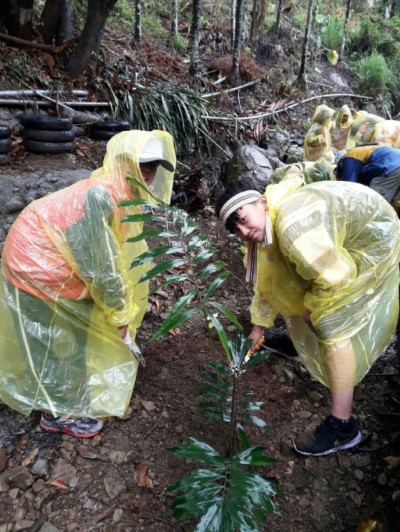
(153, 151)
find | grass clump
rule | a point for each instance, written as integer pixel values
(376, 77)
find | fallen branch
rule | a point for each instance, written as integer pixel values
(249, 84)
(30, 44)
(283, 109)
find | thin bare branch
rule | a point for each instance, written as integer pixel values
(283, 109)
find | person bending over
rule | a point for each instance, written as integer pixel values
(68, 297)
(326, 257)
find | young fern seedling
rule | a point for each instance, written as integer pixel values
(225, 495)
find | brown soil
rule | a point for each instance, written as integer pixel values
(118, 480)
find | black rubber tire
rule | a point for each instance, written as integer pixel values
(4, 159)
(102, 135)
(36, 146)
(53, 123)
(5, 145)
(117, 125)
(49, 135)
(5, 131)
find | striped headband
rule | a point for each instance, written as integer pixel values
(236, 202)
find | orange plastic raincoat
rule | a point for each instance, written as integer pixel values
(66, 286)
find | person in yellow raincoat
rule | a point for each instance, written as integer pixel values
(68, 298)
(340, 129)
(326, 257)
(317, 142)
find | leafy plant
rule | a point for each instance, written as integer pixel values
(178, 110)
(180, 44)
(224, 493)
(375, 75)
(332, 33)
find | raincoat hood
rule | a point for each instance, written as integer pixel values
(122, 160)
(322, 114)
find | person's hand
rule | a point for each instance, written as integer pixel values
(123, 329)
(256, 334)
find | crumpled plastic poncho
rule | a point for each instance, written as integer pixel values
(387, 132)
(66, 286)
(317, 141)
(311, 171)
(336, 252)
(363, 127)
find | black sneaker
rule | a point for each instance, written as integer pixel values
(330, 436)
(80, 427)
(281, 344)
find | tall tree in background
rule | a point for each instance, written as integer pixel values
(392, 10)
(55, 22)
(300, 77)
(90, 38)
(138, 22)
(237, 47)
(278, 24)
(195, 35)
(174, 18)
(233, 22)
(345, 24)
(17, 17)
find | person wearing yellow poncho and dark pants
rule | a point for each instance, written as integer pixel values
(326, 257)
(68, 298)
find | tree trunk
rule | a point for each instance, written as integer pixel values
(194, 59)
(393, 6)
(253, 20)
(56, 22)
(138, 22)
(237, 48)
(174, 18)
(17, 17)
(300, 77)
(90, 38)
(279, 18)
(346, 21)
(233, 23)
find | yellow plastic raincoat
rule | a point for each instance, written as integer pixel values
(336, 252)
(317, 142)
(387, 132)
(66, 286)
(311, 171)
(363, 127)
(341, 128)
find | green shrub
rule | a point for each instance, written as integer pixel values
(123, 15)
(152, 26)
(374, 35)
(180, 44)
(376, 77)
(332, 33)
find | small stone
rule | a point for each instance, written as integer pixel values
(359, 474)
(118, 457)
(19, 477)
(13, 493)
(113, 487)
(48, 527)
(148, 405)
(40, 468)
(23, 524)
(304, 414)
(117, 515)
(382, 479)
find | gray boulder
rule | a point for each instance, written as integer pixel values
(250, 164)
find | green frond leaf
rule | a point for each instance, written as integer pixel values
(221, 333)
(160, 268)
(216, 283)
(227, 313)
(198, 451)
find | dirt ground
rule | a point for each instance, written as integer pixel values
(118, 480)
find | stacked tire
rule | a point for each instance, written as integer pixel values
(5, 144)
(106, 130)
(47, 134)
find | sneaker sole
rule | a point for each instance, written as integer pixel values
(68, 431)
(348, 445)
